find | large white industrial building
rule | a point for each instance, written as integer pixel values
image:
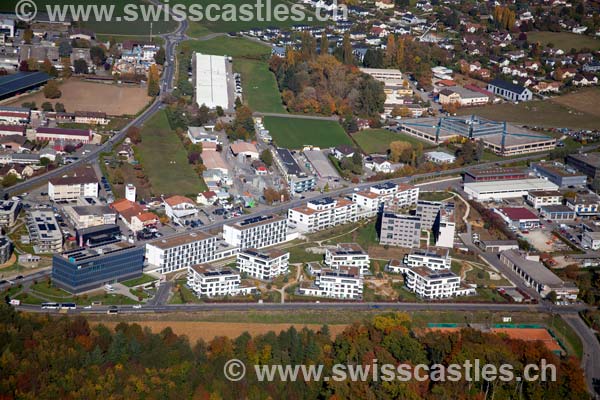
(486, 191)
(211, 81)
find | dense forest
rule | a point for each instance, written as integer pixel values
(64, 358)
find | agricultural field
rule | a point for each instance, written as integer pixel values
(564, 40)
(260, 87)
(80, 95)
(294, 133)
(229, 24)
(164, 159)
(229, 46)
(377, 141)
(575, 110)
(117, 25)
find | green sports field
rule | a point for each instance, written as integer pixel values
(564, 40)
(229, 46)
(164, 159)
(294, 133)
(378, 140)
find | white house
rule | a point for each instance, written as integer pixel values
(179, 208)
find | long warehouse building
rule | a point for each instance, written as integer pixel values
(211, 81)
(486, 191)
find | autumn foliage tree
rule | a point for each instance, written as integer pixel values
(153, 81)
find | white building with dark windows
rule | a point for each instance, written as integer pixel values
(256, 232)
(432, 284)
(370, 202)
(344, 283)
(400, 230)
(263, 264)
(9, 211)
(509, 91)
(208, 281)
(436, 259)
(180, 252)
(348, 255)
(322, 214)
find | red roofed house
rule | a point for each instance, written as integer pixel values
(207, 198)
(519, 217)
(179, 208)
(10, 130)
(134, 215)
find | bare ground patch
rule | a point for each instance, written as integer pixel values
(79, 95)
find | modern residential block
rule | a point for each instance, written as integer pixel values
(400, 230)
(265, 265)
(344, 283)
(256, 232)
(209, 281)
(322, 214)
(181, 251)
(9, 212)
(44, 232)
(348, 255)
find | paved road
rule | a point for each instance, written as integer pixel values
(590, 361)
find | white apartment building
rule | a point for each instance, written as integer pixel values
(208, 281)
(256, 232)
(265, 265)
(591, 240)
(445, 227)
(321, 214)
(348, 255)
(44, 232)
(436, 259)
(70, 188)
(400, 230)
(430, 284)
(370, 202)
(180, 252)
(9, 212)
(344, 283)
(542, 198)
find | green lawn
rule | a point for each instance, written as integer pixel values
(564, 40)
(139, 281)
(184, 295)
(260, 87)
(294, 133)
(230, 46)
(122, 27)
(164, 159)
(228, 24)
(536, 113)
(435, 196)
(377, 141)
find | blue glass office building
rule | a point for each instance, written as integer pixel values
(89, 268)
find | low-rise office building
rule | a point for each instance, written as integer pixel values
(584, 204)
(9, 212)
(371, 202)
(561, 175)
(83, 183)
(495, 174)
(444, 227)
(537, 276)
(181, 251)
(518, 217)
(256, 232)
(322, 214)
(44, 232)
(345, 283)
(558, 213)
(348, 255)
(263, 264)
(84, 269)
(497, 246)
(297, 178)
(587, 163)
(87, 216)
(590, 239)
(541, 198)
(209, 281)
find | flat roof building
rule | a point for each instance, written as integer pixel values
(256, 232)
(400, 230)
(344, 283)
(11, 85)
(348, 255)
(9, 211)
(211, 81)
(558, 213)
(263, 264)
(180, 251)
(588, 163)
(560, 174)
(209, 281)
(44, 232)
(322, 214)
(298, 179)
(487, 191)
(494, 174)
(83, 269)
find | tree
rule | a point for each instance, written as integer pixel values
(27, 35)
(347, 54)
(9, 180)
(51, 90)
(153, 81)
(69, 148)
(66, 71)
(80, 66)
(271, 195)
(160, 56)
(219, 110)
(29, 104)
(324, 43)
(401, 111)
(23, 66)
(47, 106)
(400, 151)
(134, 134)
(60, 107)
(266, 157)
(97, 54)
